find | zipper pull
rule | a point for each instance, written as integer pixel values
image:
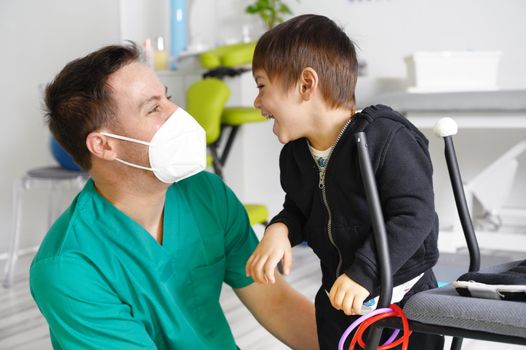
(321, 184)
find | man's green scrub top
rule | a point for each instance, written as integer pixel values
(103, 282)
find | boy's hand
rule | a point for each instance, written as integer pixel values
(347, 295)
(274, 246)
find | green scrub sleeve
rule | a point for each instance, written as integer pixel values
(81, 309)
(240, 242)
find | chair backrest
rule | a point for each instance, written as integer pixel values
(228, 55)
(205, 101)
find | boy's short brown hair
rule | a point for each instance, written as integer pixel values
(310, 41)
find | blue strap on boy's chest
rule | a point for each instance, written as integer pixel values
(322, 162)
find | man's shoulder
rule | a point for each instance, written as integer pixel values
(59, 255)
(56, 238)
(62, 236)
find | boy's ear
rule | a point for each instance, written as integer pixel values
(100, 146)
(308, 83)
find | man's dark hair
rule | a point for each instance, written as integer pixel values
(79, 99)
(310, 41)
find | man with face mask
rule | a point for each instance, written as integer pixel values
(139, 258)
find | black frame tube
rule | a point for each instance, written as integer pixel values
(462, 207)
(229, 141)
(379, 232)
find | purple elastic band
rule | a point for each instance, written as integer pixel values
(363, 318)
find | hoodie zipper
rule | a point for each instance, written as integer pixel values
(321, 186)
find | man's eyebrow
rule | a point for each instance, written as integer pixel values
(148, 100)
(153, 98)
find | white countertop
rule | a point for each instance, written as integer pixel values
(513, 101)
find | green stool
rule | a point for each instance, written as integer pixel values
(236, 116)
(257, 213)
(233, 118)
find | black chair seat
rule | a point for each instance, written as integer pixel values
(445, 307)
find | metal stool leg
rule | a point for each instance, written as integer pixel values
(52, 204)
(52, 176)
(55, 196)
(20, 185)
(79, 182)
(456, 343)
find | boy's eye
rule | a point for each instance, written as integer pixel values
(260, 86)
(169, 97)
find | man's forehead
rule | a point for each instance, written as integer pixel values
(124, 76)
(134, 81)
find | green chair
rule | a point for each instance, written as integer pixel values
(205, 100)
(228, 55)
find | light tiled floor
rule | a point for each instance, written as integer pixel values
(23, 328)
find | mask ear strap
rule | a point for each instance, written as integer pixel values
(124, 138)
(134, 165)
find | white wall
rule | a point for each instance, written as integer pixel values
(141, 19)
(385, 30)
(388, 30)
(38, 38)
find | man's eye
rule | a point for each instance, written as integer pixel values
(154, 109)
(169, 97)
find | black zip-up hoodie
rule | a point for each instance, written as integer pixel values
(331, 213)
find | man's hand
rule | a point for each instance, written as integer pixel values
(274, 246)
(347, 295)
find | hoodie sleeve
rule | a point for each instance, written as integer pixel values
(404, 180)
(291, 215)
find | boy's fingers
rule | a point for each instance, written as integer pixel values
(258, 270)
(357, 305)
(248, 265)
(348, 303)
(336, 298)
(269, 272)
(331, 294)
(270, 267)
(287, 261)
(252, 265)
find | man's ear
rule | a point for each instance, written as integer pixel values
(308, 83)
(100, 146)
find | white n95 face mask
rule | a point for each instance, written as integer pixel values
(177, 150)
